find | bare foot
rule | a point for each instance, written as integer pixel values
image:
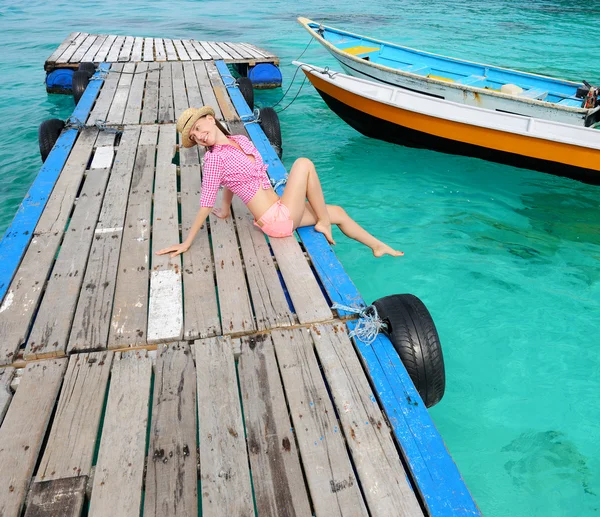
(325, 229)
(384, 249)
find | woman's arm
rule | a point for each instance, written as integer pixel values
(185, 245)
(225, 209)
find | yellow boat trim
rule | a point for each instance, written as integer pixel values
(523, 145)
(440, 78)
(361, 49)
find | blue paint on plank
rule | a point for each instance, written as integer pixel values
(18, 235)
(436, 475)
(337, 283)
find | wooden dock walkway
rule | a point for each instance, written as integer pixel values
(80, 47)
(221, 379)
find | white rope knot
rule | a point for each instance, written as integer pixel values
(252, 119)
(74, 122)
(369, 324)
(278, 183)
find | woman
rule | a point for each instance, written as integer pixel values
(234, 162)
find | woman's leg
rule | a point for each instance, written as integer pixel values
(337, 215)
(304, 183)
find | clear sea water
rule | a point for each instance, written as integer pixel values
(507, 260)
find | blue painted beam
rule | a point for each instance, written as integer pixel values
(18, 235)
(440, 484)
(436, 475)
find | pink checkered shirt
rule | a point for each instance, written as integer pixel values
(227, 165)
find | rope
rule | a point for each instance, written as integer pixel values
(296, 72)
(75, 123)
(252, 119)
(278, 183)
(369, 325)
(292, 102)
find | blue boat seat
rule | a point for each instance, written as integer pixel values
(473, 80)
(534, 93)
(572, 103)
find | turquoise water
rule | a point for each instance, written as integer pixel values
(507, 260)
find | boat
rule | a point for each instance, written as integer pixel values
(474, 84)
(404, 117)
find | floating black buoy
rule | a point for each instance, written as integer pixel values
(80, 82)
(247, 90)
(87, 67)
(269, 122)
(414, 336)
(48, 134)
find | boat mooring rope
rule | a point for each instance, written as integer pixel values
(278, 183)
(75, 123)
(369, 324)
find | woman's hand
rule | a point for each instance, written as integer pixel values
(221, 213)
(174, 250)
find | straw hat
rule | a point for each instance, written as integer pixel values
(188, 118)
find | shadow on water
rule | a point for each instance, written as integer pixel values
(535, 457)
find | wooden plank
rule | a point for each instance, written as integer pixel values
(93, 50)
(148, 49)
(94, 307)
(242, 51)
(200, 50)
(230, 50)
(277, 476)
(210, 50)
(260, 51)
(308, 300)
(375, 456)
(115, 49)
(64, 497)
(23, 430)
(161, 53)
(150, 108)
(172, 475)
(180, 99)
(129, 315)
(70, 447)
(226, 107)
(6, 376)
(191, 84)
(170, 50)
(234, 299)
(117, 108)
(83, 48)
(51, 329)
(268, 298)
(221, 49)
(206, 89)
(333, 486)
(223, 461)
(166, 112)
(181, 51)
(61, 48)
(103, 156)
(125, 54)
(22, 298)
(119, 472)
(165, 308)
(133, 111)
(194, 55)
(201, 317)
(104, 49)
(71, 49)
(107, 94)
(136, 51)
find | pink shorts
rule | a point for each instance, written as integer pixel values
(276, 221)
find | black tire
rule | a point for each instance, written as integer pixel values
(88, 68)
(247, 90)
(414, 336)
(48, 134)
(80, 82)
(269, 122)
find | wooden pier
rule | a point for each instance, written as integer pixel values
(80, 47)
(218, 380)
